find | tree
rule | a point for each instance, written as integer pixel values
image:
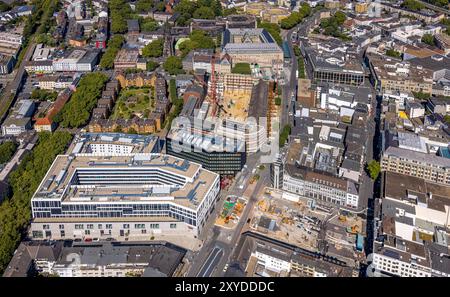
(197, 39)
(161, 6)
(273, 29)
(154, 49)
(151, 65)
(15, 212)
(44, 95)
(284, 135)
(278, 101)
(413, 5)
(114, 45)
(373, 168)
(7, 150)
(4, 7)
(229, 11)
(144, 5)
(393, 53)
(428, 39)
(204, 13)
(77, 111)
(340, 17)
(297, 51)
(447, 119)
(148, 25)
(173, 65)
(172, 90)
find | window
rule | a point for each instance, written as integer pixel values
(63, 233)
(154, 226)
(143, 231)
(37, 234)
(139, 226)
(108, 226)
(46, 227)
(79, 226)
(61, 227)
(173, 226)
(87, 232)
(126, 226)
(90, 226)
(100, 226)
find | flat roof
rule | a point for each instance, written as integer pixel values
(188, 185)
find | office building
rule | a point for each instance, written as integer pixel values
(92, 192)
(254, 46)
(320, 186)
(215, 153)
(418, 164)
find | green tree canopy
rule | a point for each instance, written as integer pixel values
(151, 65)
(373, 168)
(173, 65)
(7, 150)
(114, 45)
(44, 95)
(154, 49)
(428, 39)
(144, 5)
(15, 212)
(204, 13)
(77, 111)
(413, 5)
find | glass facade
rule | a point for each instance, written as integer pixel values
(224, 163)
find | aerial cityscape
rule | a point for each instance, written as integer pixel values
(225, 138)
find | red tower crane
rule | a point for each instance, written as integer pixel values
(213, 94)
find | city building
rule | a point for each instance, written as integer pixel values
(214, 153)
(46, 122)
(333, 61)
(128, 58)
(20, 118)
(128, 196)
(411, 239)
(320, 186)
(10, 43)
(412, 163)
(95, 259)
(77, 60)
(262, 256)
(6, 64)
(254, 46)
(390, 74)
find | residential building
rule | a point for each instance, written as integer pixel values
(413, 228)
(95, 259)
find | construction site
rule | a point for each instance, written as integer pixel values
(309, 226)
(231, 212)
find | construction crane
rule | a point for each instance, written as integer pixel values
(213, 94)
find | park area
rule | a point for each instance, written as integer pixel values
(231, 212)
(134, 102)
